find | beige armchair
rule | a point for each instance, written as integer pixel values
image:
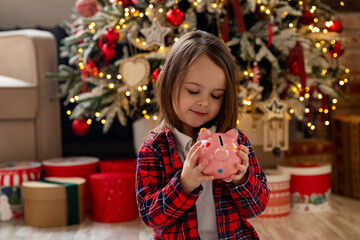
(29, 120)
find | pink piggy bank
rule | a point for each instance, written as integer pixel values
(221, 151)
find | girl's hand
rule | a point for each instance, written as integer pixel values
(241, 176)
(191, 176)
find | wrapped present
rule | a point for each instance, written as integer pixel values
(118, 165)
(113, 196)
(12, 175)
(54, 202)
(73, 167)
(310, 187)
(309, 151)
(346, 163)
(279, 202)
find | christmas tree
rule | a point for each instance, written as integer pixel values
(285, 48)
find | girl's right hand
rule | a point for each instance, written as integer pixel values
(191, 175)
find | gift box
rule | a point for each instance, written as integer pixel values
(113, 196)
(54, 202)
(73, 167)
(309, 151)
(279, 202)
(310, 187)
(118, 165)
(346, 163)
(12, 175)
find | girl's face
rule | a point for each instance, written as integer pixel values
(201, 94)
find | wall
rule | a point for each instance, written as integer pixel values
(31, 13)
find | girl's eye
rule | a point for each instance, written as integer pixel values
(215, 97)
(193, 92)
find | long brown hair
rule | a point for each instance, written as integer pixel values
(179, 60)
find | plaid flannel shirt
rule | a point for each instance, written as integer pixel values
(171, 212)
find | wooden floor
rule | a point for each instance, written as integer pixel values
(341, 222)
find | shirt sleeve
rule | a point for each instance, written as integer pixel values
(251, 197)
(160, 203)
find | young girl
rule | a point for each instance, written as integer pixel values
(197, 88)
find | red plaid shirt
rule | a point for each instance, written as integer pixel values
(171, 212)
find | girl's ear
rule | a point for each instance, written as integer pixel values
(204, 133)
(233, 133)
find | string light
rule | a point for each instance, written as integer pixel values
(103, 121)
(155, 117)
(68, 112)
(148, 100)
(89, 121)
(127, 93)
(72, 100)
(76, 98)
(97, 114)
(108, 76)
(292, 110)
(327, 123)
(111, 85)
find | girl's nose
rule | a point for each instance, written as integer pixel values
(203, 102)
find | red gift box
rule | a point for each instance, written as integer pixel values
(118, 165)
(113, 197)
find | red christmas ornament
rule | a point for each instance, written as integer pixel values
(126, 3)
(111, 36)
(175, 17)
(86, 8)
(108, 52)
(155, 74)
(307, 18)
(80, 127)
(91, 69)
(336, 50)
(335, 26)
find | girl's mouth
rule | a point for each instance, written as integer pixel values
(199, 114)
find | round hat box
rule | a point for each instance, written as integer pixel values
(279, 202)
(310, 187)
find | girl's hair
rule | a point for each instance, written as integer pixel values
(179, 60)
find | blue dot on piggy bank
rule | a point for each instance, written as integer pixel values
(220, 170)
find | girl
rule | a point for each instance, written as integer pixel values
(197, 88)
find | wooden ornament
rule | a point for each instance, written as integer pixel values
(134, 71)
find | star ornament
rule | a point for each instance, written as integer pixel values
(274, 107)
(155, 34)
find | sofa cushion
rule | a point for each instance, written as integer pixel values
(18, 99)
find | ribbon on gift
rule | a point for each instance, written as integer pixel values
(297, 56)
(238, 17)
(72, 199)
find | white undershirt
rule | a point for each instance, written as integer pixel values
(205, 205)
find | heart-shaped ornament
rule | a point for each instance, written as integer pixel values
(134, 71)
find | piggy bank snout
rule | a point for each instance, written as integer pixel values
(221, 154)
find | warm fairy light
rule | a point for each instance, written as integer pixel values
(108, 76)
(162, 49)
(89, 121)
(68, 112)
(333, 108)
(321, 110)
(316, 20)
(97, 114)
(247, 102)
(341, 82)
(347, 70)
(324, 50)
(118, 27)
(214, 5)
(81, 65)
(333, 41)
(309, 124)
(262, 8)
(237, 122)
(320, 96)
(176, 39)
(285, 14)
(126, 14)
(310, 27)
(155, 117)
(144, 112)
(346, 80)
(144, 87)
(91, 25)
(328, 23)
(147, 116)
(101, 74)
(103, 121)
(80, 50)
(127, 9)
(132, 10)
(246, 73)
(148, 100)
(72, 100)
(307, 110)
(147, 13)
(139, 88)
(301, 3)
(299, 85)
(122, 21)
(334, 101)
(307, 89)
(307, 95)
(151, 6)
(251, 74)
(292, 110)
(141, 15)
(294, 89)
(312, 127)
(127, 93)
(119, 76)
(143, 43)
(161, 10)
(301, 99)
(124, 26)
(325, 31)
(267, 11)
(326, 111)
(335, 55)
(76, 98)
(327, 123)
(111, 85)
(342, 3)
(195, 4)
(259, 1)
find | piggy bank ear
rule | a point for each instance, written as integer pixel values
(232, 133)
(204, 133)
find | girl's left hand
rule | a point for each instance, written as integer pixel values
(241, 176)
